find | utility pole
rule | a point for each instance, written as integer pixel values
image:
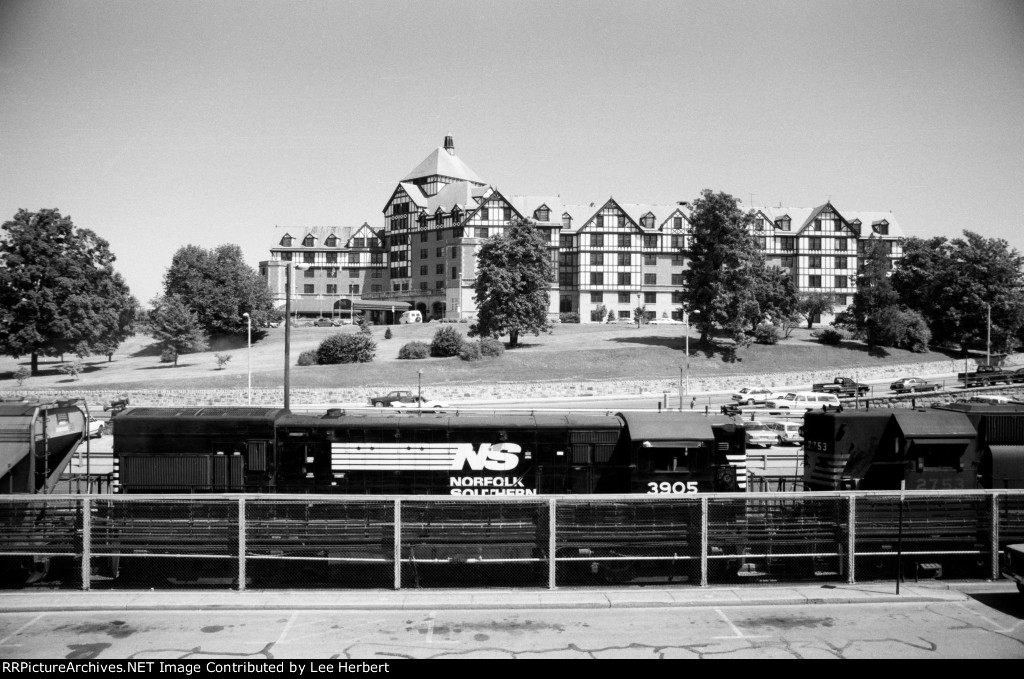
(988, 339)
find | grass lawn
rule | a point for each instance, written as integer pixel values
(571, 352)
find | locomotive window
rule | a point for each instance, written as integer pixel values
(677, 460)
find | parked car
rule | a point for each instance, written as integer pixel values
(913, 384)
(805, 400)
(842, 386)
(992, 399)
(760, 434)
(392, 397)
(664, 321)
(751, 395)
(96, 428)
(789, 432)
(326, 323)
(425, 404)
(1013, 565)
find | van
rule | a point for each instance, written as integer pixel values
(411, 317)
(805, 400)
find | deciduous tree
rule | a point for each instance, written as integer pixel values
(513, 283)
(59, 292)
(176, 326)
(219, 286)
(812, 305)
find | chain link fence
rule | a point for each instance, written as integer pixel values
(344, 542)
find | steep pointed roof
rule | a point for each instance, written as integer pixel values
(445, 164)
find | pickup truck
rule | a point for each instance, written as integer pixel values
(985, 374)
(393, 397)
(1013, 565)
(842, 387)
(912, 385)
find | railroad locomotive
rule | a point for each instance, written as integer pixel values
(257, 450)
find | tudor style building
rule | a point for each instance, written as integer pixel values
(619, 255)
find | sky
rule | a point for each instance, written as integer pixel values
(165, 123)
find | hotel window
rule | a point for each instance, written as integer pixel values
(423, 285)
(759, 224)
(440, 252)
(332, 241)
(842, 281)
(332, 289)
(782, 223)
(679, 242)
(761, 242)
(787, 262)
(650, 260)
(623, 298)
(332, 257)
(624, 278)
(597, 240)
(599, 222)
(506, 213)
(424, 254)
(814, 281)
(485, 213)
(354, 289)
(881, 228)
(677, 279)
(650, 279)
(309, 273)
(376, 288)
(359, 242)
(817, 225)
(377, 274)
(353, 273)
(376, 258)
(353, 258)
(307, 289)
(286, 242)
(308, 241)
(841, 263)
(566, 221)
(841, 244)
(787, 243)
(423, 269)
(482, 232)
(596, 278)
(542, 214)
(677, 297)
(439, 269)
(596, 258)
(650, 298)
(439, 284)
(623, 259)
(440, 234)
(308, 257)
(286, 256)
(565, 242)
(597, 297)
(455, 273)
(455, 253)
(458, 232)
(814, 261)
(678, 259)
(648, 222)
(650, 241)
(624, 240)
(677, 222)
(814, 243)
(423, 236)
(332, 272)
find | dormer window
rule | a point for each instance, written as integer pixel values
(881, 228)
(782, 223)
(817, 225)
(456, 215)
(439, 216)
(359, 242)
(286, 242)
(308, 241)
(647, 221)
(677, 222)
(600, 222)
(332, 241)
(542, 214)
(566, 220)
(759, 224)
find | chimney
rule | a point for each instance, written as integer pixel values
(449, 144)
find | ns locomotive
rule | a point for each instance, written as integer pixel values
(257, 450)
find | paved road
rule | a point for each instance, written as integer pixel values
(864, 622)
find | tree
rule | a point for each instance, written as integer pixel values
(512, 284)
(775, 295)
(220, 287)
(953, 283)
(59, 292)
(811, 305)
(724, 260)
(176, 327)
(874, 293)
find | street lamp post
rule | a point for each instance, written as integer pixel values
(686, 331)
(638, 312)
(288, 330)
(419, 390)
(248, 327)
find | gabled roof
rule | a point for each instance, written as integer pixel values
(463, 194)
(320, 233)
(800, 217)
(444, 164)
(527, 205)
(662, 212)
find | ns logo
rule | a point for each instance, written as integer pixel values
(492, 457)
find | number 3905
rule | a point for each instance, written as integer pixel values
(677, 487)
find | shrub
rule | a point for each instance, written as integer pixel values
(414, 350)
(598, 314)
(470, 351)
(72, 369)
(168, 355)
(387, 334)
(364, 325)
(766, 333)
(222, 360)
(22, 374)
(307, 357)
(491, 347)
(357, 348)
(831, 336)
(569, 317)
(900, 328)
(447, 342)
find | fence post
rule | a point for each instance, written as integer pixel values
(86, 543)
(398, 544)
(552, 515)
(995, 536)
(241, 544)
(851, 539)
(704, 542)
